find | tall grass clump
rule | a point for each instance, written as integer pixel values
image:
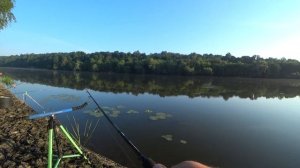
(82, 134)
(8, 81)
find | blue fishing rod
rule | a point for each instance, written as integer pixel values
(49, 114)
(147, 162)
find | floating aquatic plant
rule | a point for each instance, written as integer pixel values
(148, 111)
(114, 113)
(183, 141)
(110, 111)
(132, 112)
(167, 137)
(8, 81)
(97, 115)
(160, 116)
(94, 113)
(153, 118)
(120, 107)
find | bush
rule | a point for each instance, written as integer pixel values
(8, 81)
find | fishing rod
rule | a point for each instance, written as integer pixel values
(147, 162)
(68, 110)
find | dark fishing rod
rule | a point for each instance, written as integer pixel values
(147, 162)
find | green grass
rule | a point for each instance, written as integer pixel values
(8, 81)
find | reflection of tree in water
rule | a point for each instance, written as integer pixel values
(61, 97)
(163, 85)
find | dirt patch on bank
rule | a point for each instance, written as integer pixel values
(23, 142)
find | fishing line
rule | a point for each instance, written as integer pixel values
(26, 94)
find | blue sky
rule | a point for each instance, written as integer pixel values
(270, 28)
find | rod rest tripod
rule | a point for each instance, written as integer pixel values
(53, 126)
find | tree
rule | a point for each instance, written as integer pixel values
(6, 16)
(159, 63)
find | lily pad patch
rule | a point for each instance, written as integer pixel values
(148, 111)
(94, 113)
(114, 113)
(167, 137)
(120, 107)
(183, 141)
(132, 112)
(160, 116)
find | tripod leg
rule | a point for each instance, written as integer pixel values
(58, 147)
(65, 132)
(57, 142)
(50, 142)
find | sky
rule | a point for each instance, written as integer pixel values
(269, 28)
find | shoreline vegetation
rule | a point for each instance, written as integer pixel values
(6, 80)
(164, 63)
(23, 143)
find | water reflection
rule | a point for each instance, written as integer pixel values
(163, 85)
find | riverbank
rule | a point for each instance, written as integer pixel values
(23, 143)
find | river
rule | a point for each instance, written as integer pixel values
(222, 122)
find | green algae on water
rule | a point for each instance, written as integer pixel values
(167, 137)
(160, 116)
(153, 118)
(148, 111)
(132, 112)
(95, 113)
(120, 107)
(114, 113)
(183, 141)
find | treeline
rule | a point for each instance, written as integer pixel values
(159, 63)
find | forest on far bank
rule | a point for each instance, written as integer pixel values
(165, 63)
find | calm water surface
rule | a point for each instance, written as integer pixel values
(223, 122)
